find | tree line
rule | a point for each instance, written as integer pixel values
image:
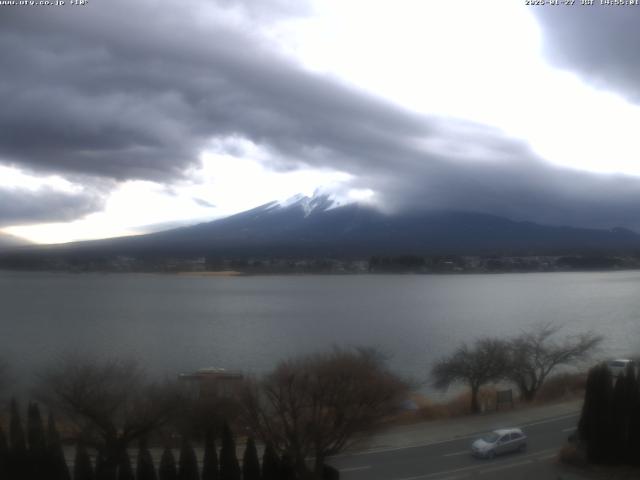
(609, 426)
(37, 454)
(525, 360)
(307, 409)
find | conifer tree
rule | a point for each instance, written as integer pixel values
(16, 432)
(125, 471)
(57, 465)
(188, 464)
(586, 423)
(18, 454)
(250, 462)
(82, 468)
(632, 454)
(605, 431)
(210, 469)
(106, 469)
(619, 421)
(145, 470)
(102, 471)
(167, 469)
(35, 430)
(287, 468)
(229, 467)
(36, 440)
(270, 464)
(330, 473)
(594, 427)
(4, 455)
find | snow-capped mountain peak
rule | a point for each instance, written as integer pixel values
(318, 202)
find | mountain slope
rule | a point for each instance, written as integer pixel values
(9, 241)
(319, 227)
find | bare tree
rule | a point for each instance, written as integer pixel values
(478, 365)
(314, 406)
(110, 402)
(535, 353)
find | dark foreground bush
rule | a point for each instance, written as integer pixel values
(570, 454)
(330, 473)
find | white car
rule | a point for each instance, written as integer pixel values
(499, 441)
(618, 366)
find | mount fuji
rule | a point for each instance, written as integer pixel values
(320, 226)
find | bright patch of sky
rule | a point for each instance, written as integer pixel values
(480, 61)
(14, 178)
(224, 184)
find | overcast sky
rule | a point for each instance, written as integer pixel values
(125, 115)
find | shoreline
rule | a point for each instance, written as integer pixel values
(218, 273)
(237, 273)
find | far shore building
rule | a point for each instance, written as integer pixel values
(212, 382)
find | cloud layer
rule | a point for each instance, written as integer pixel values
(131, 90)
(21, 206)
(598, 42)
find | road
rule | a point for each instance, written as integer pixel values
(451, 460)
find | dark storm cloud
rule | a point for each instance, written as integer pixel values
(521, 189)
(19, 206)
(125, 90)
(598, 42)
(136, 96)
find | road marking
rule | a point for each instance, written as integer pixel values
(547, 457)
(570, 429)
(355, 469)
(455, 439)
(503, 466)
(430, 475)
(455, 454)
(550, 420)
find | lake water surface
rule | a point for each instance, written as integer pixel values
(177, 323)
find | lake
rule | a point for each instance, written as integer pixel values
(175, 323)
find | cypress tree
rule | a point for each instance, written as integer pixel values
(145, 469)
(35, 430)
(229, 467)
(105, 469)
(188, 462)
(16, 432)
(585, 423)
(4, 455)
(605, 430)
(330, 473)
(125, 472)
(595, 423)
(633, 406)
(57, 465)
(101, 468)
(167, 470)
(589, 419)
(37, 445)
(18, 458)
(250, 462)
(270, 464)
(210, 460)
(82, 468)
(287, 470)
(619, 421)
